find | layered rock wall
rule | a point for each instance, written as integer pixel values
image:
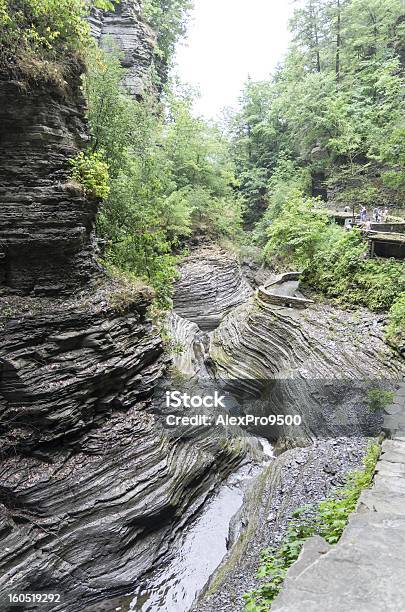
(125, 31)
(211, 285)
(46, 223)
(317, 363)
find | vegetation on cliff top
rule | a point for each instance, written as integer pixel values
(40, 38)
(169, 20)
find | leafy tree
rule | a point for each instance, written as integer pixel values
(170, 175)
(169, 19)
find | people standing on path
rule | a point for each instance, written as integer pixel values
(363, 213)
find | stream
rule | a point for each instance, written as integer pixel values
(196, 555)
(201, 547)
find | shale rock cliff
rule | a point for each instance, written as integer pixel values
(314, 361)
(211, 285)
(125, 31)
(318, 363)
(46, 224)
(92, 489)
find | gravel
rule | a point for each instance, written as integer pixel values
(296, 478)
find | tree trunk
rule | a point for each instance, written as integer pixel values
(315, 35)
(338, 42)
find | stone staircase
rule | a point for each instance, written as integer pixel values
(365, 571)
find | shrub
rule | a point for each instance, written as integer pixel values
(36, 32)
(333, 260)
(396, 328)
(379, 398)
(91, 171)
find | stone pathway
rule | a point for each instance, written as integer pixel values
(365, 571)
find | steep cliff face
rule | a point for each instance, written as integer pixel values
(69, 366)
(46, 224)
(125, 31)
(93, 489)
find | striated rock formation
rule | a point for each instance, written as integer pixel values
(46, 224)
(92, 488)
(182, 338)
(317, 363)
(211, 285)
(125, 30)
(63, 371)
(92, 521)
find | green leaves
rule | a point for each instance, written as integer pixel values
(39, 32)
(91, 172)
(168, 18)
(171, 175)
(330, 128)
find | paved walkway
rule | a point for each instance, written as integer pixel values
(365, 571)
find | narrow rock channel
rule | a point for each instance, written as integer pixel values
(213, 562)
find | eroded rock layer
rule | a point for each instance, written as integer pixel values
(64, 371)
(46, 223)
(126, 31)
(317, 363)
(94, 520)
(211, 285)
(93, 489)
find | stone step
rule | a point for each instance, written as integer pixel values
(394, 424)
(386, 468)
(393, 457)
(394, 408)
(393, 445)
(389, 483)
(363, 573)
(382, 501)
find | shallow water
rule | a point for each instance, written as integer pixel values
(200, 550)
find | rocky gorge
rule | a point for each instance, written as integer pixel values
(94, 490)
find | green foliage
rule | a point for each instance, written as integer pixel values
(379, 398)
(171, 175)
(334, 512)
(168, 18)
(91, 172)
(37, 32)
(333, 260)
(297, 232)
(396, 327)
(327, 519)
(334, 105)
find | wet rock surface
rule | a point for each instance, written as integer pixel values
(63, 372)
(296, 478)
